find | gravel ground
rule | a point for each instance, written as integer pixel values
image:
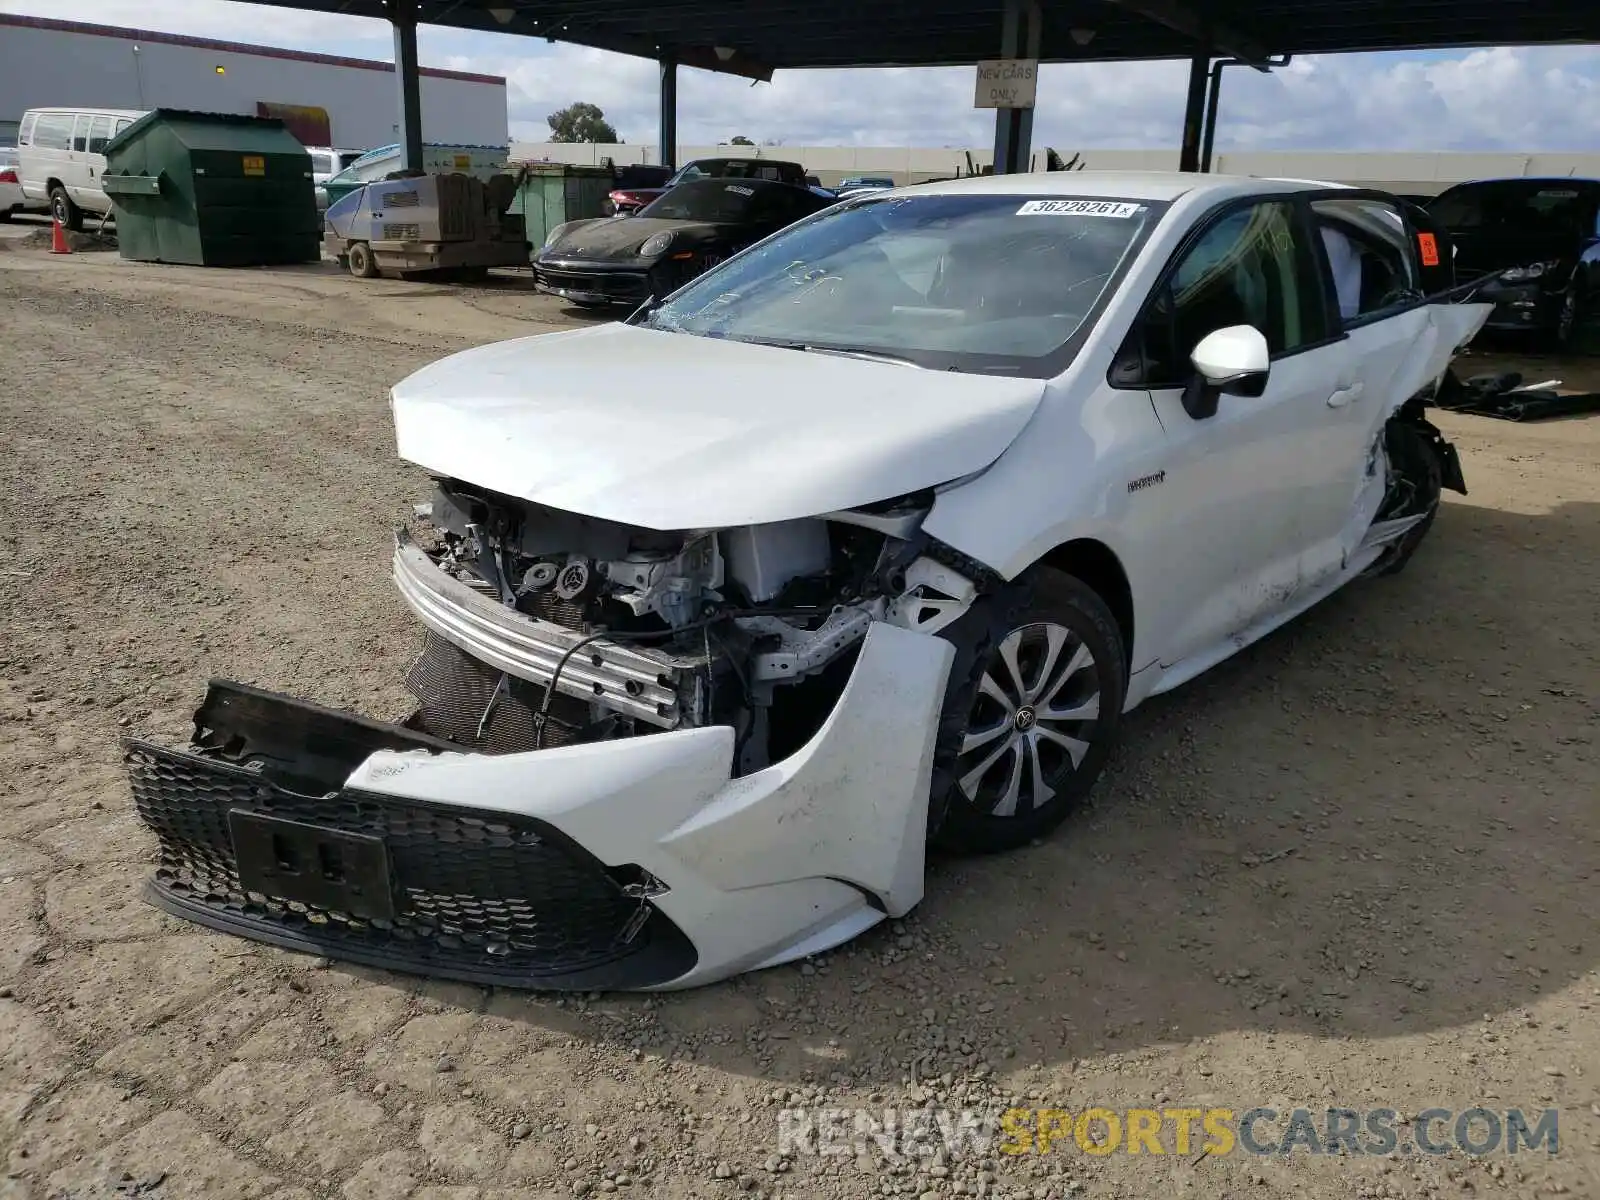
(1355, 866)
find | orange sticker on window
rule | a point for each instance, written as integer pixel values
(1429, 245)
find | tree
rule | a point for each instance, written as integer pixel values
(740, 140)
(581, 122)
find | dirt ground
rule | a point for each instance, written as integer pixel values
(1355, 866)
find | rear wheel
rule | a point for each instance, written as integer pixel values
(1032, 709)
(363, 264)
(64, 210)
(1416, 486)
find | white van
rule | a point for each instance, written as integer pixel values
(61, 157)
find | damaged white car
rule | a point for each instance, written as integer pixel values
(861, 542)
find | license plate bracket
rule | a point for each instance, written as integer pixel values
(329, 869)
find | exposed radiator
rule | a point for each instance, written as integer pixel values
(454, 690)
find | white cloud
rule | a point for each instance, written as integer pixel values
(1499, 99)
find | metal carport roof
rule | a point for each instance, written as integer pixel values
(759, 36)
(754, 38)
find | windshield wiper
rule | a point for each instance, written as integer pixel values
(837, 351)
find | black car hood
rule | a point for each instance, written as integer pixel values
(617, 239)
(1481, 252)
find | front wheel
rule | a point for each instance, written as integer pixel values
(1569, 320)
(1035, 697)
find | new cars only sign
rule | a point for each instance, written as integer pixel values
(1006, 83)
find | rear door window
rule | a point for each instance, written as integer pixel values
(25, 133)
(80, 135)
(53, 131)
(1368, 249)
(99, 134)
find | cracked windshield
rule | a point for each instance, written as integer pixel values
(975, 282)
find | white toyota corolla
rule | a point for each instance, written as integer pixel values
(860, 543)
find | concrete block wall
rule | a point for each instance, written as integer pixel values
(1421, 173)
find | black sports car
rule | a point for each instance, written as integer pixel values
(627, 260)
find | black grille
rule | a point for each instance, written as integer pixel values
(616, 285)
(477, 895)
(454, 691)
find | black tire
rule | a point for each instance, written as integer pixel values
(1414, 457)
(962, 819)
(363, 264)
(64, 210)
(1566, 332)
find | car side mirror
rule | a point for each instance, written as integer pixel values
(1234, 361)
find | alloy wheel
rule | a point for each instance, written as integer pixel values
(1033, 721)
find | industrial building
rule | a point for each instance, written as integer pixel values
(326, 99)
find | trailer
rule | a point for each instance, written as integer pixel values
(428, 224)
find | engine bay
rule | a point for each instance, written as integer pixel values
(754, 627)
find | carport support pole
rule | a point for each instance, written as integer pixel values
(1208, 139)
(1013, 127)
(668, 149)
(1194, 110)
(403, 16)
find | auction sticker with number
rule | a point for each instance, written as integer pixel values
(1079, 208)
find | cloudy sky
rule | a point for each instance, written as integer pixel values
(1504, 99)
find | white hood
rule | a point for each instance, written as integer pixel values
(671, 431)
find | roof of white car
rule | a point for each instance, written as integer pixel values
(1127, 185)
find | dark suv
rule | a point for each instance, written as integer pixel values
(1541, 236)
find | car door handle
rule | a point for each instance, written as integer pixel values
(1345, 395)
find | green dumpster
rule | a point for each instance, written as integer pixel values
(212, 190)
(550, 193)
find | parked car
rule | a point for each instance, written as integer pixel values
(712, 168)
(864, 539)
(866, 182)
(627, 260)
(11, 198)
(326, 162)
(61, 158)
(1541, 237)
(634, 186)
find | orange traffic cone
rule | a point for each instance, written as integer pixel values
(58, 239)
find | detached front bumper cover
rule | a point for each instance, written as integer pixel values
(634, 863)
(270, 852)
